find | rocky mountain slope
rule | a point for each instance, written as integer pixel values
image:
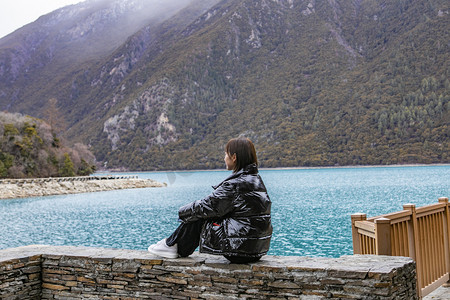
(30, 147)
(38, 60)
(311, 82)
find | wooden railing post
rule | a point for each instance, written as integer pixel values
(411, 230)
(383, 236)
(446, 228)
(355, 235)
(414, 245)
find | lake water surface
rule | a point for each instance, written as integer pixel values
(310, 211)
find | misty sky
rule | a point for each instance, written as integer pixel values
(17, 13)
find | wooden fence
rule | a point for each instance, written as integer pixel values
(420, 233)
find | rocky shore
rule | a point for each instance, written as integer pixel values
(20, 188)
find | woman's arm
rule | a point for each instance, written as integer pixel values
(217, 204)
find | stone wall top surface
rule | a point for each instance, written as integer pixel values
(358, 264)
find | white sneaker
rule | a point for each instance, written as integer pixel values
(161, 249)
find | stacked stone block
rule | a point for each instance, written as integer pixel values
(20, 277)
(94, 273)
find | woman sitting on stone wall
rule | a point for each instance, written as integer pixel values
(233, 221)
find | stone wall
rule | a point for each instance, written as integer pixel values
(20, 275)
(19, 188)
(48, 272)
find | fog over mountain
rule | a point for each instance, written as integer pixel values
(164, 84)
(96, 26)
(60, 42)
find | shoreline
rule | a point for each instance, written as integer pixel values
(113, 171)
(36, 187)
(109, 180)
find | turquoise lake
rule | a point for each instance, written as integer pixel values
(311, 208)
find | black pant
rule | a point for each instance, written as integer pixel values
(187, 238)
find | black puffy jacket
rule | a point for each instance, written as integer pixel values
(237, 216)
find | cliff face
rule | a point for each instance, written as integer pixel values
(311, 82)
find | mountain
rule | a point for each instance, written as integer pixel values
(312, 83)
(40, 57)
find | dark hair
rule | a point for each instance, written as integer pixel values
(244, 150)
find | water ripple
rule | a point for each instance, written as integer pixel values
(311, 208)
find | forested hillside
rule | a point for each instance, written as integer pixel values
(30, 148)
(312, 83)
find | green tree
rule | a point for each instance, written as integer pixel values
(10, 130)
(3, 170)
(85, 168)
(67, 169)
(6, 162)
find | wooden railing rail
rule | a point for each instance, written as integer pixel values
(422, 234)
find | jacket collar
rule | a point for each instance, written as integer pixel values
(249, 169)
